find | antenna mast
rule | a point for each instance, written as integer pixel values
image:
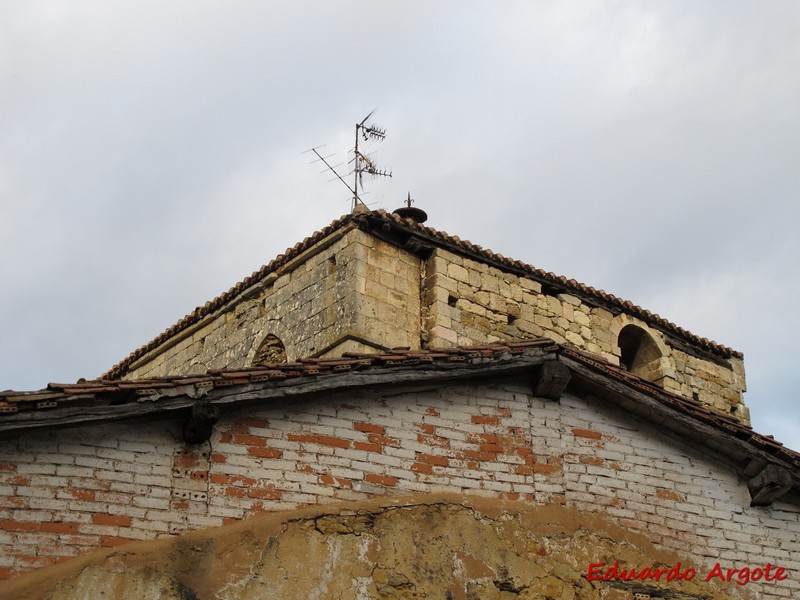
(362, 163)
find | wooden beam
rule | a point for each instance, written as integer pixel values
(770, 484)
(679, 423)
(202, 417)
(551, 380)
(170, 401)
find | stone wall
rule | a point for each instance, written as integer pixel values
(467, 302)
(67, 492)
(350, 292)
(354, 293)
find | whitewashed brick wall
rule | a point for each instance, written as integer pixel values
(67, 492)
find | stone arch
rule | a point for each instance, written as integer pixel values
(638, 353)
(271, 350)
(641, 351)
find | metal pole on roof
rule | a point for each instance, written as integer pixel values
(361, 162)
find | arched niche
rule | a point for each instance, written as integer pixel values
(640, 354)
(271, 350)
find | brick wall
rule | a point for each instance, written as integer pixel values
(468, 302)
(67, 492)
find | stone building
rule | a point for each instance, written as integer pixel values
(387, 411)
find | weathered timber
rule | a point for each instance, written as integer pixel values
(552, 379)
(732, 450)
(160, 404)
(769, 485)
(202, 417)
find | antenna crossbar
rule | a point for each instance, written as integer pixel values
(361, 162)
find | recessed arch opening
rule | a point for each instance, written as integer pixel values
(271, 350)
(640, 354)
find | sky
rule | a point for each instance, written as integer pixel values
(152, 155)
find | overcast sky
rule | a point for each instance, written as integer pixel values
(150, 158)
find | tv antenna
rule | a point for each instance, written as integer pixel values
(362, 162)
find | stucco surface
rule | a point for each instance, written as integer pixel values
(445, 547)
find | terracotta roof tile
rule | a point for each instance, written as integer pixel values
(105, 392)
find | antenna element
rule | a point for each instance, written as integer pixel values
(362, 163)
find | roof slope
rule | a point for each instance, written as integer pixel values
(105, 400)
(377, 222)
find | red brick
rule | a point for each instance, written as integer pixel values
(426, 427)
(199, 475)
(540, 468)
(186, 460)
(432, 411)
(218, 478)
(118, 520)
(523, 470)
(252, 422)
(8, 467)
(7, 572)
(386, 480)
(79, 494)
(325, 440)
(9, 525)
(377, 438)
(326, 479)
(238, 427)
(368, 427)
(264, 494)
(15, 479)
(421, 468)
(482, 455)
(12, 502)
(592, 460)
(497, 448)
(265, 452)
(368, 447)
(485, 420)
(240, 481)
(440, 461)
(218, 458)
(587, 433)
(111, 542)
(236, 492)
(61, 527)
(249, 440)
